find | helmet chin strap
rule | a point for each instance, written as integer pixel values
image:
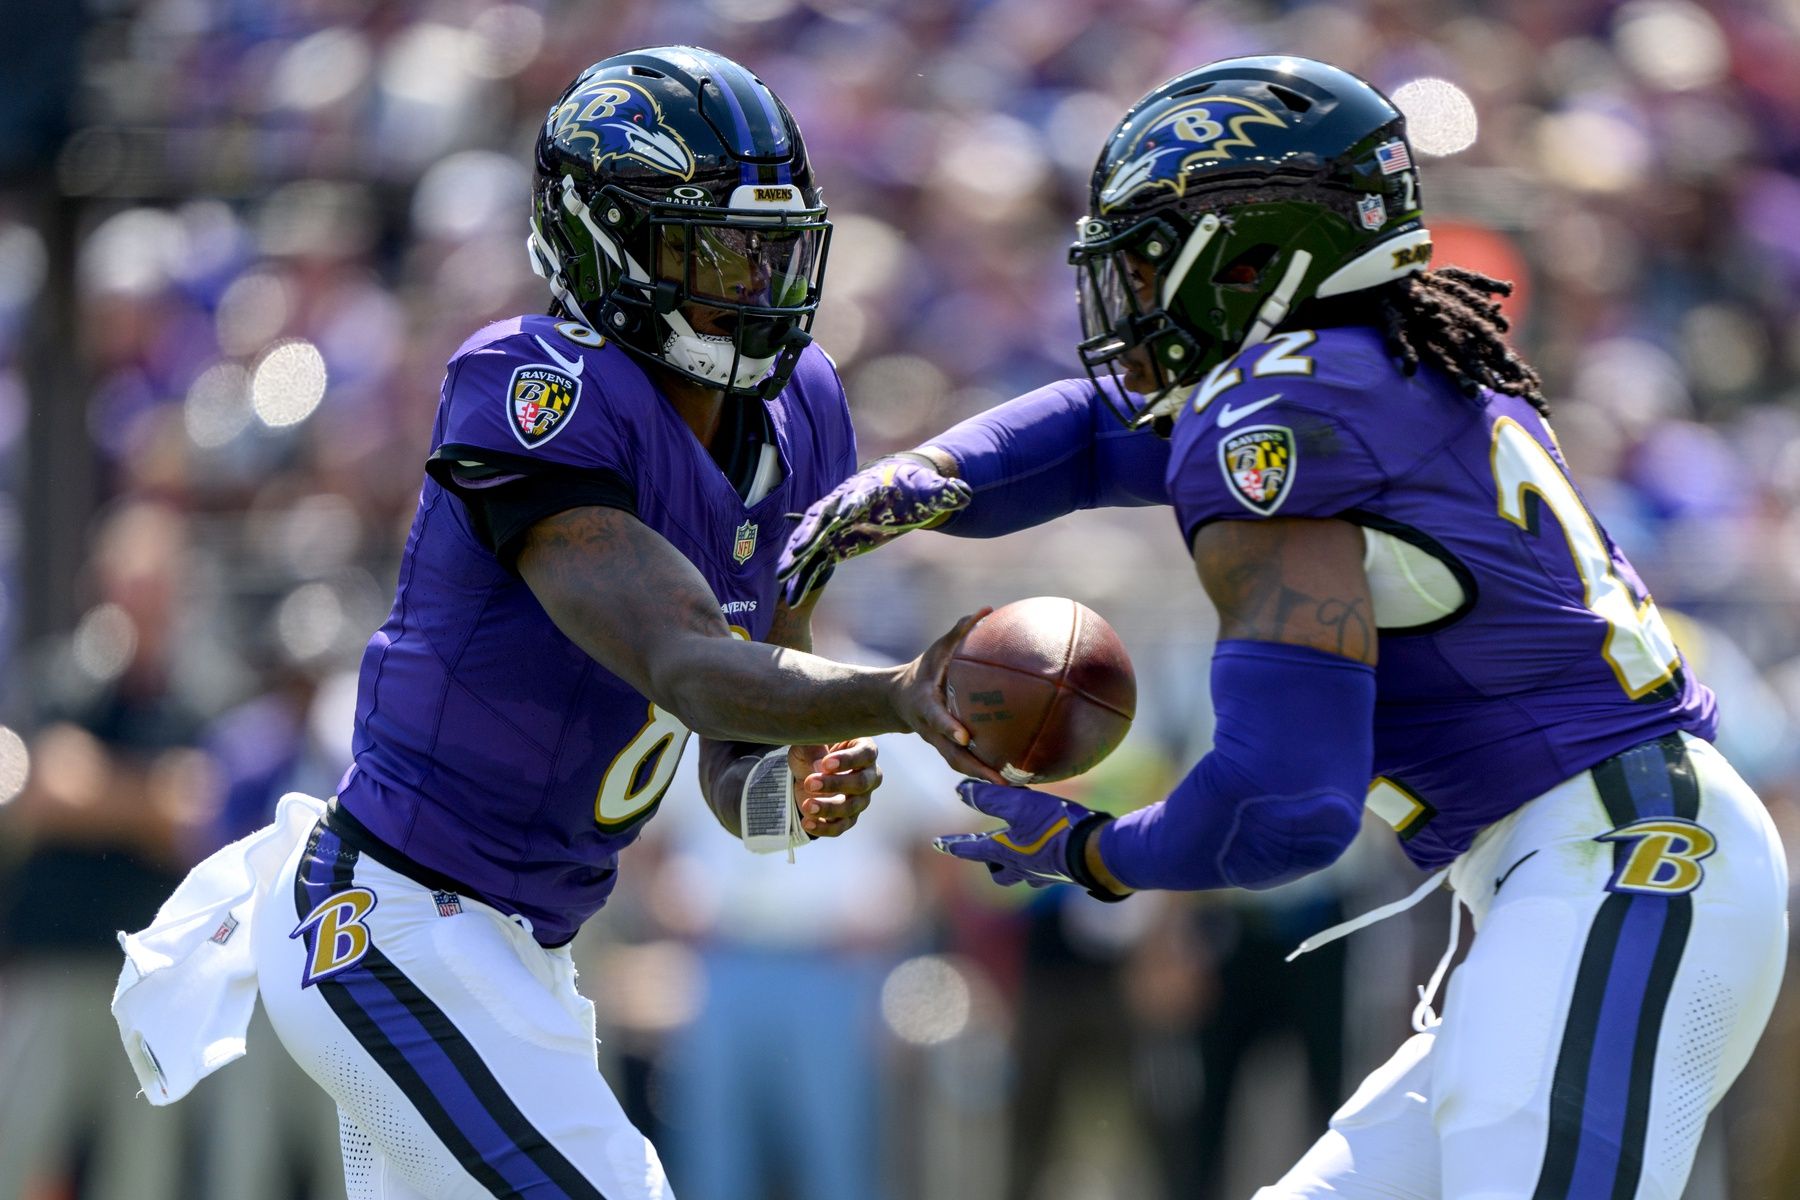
(710, 356)
(1168, 401)
(1275, 309)
(1164, 402)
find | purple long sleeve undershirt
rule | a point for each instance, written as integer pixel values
(1048, 453)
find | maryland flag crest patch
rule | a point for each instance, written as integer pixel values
(540, 400)
(1258, 463)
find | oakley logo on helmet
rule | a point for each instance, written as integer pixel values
(619, 119)
(1197, 131)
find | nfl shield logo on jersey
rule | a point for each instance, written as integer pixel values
(1258, 463)
(541, 400)
(744, 542)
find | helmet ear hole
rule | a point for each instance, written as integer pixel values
(1245, 271)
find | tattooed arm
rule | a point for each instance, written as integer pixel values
(629, 599)
(1291, 580)
(1293, 687)
(832, 782)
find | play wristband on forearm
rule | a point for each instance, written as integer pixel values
(767, 813)
(1077, 864)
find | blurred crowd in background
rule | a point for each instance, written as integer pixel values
(238, 240)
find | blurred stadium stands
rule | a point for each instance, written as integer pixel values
(238, 239)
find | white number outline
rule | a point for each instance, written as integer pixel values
(616, 803)
(663, 734)
(1638, 646)
(1409, 180)
(1283, 357)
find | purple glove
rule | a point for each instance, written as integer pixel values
(874, 506)
(1044, 842)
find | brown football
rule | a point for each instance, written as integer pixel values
(1044, 687)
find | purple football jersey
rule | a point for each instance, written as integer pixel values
(1548, 655)
(490, 748)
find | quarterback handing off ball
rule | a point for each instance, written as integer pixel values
(1045, 688)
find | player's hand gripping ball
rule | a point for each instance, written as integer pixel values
(874, 506)
(1044, 687)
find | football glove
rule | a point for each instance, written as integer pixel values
(885, 499)
(1044, 842)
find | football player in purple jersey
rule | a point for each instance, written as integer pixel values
(1418, 616)
(589, 578)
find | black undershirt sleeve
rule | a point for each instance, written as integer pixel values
(505, 494)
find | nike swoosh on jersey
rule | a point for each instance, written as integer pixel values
(571, 365)
(1229, 416)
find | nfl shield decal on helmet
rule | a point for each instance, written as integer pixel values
(743, 544)
(1258, 463)
(1371, 212)
(540, 401)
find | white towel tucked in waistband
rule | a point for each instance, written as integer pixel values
(188, 987)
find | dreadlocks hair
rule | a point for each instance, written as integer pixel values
(1450, 318)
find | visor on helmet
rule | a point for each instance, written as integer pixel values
(736, 264)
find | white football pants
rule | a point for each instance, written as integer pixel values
(461, 1057)
(1631, 930)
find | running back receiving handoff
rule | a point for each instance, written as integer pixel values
(1417, 613)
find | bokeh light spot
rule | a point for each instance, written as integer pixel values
(15, 764)
(925, 1000)
(321, 69)
(309, 622)
(217, 408)
(509, 37)
(288, 384)
(1440, 117)
(104, 642)
(1672, 44)
(1592, 151)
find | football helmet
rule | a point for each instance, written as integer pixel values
(675, 211)
(1224, 200)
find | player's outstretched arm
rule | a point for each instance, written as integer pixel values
(628, 598)
(832, 783)
(1280, 794)
(1030, 460)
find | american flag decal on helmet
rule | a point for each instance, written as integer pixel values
(1393, 156)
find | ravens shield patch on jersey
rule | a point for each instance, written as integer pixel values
(540, 400)
(1258, 463)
